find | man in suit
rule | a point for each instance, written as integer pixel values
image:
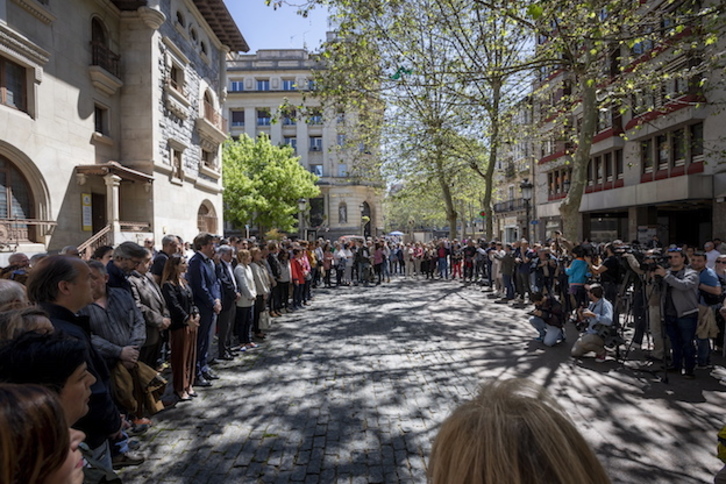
(150, 301)
(203, 280)
(230, 295)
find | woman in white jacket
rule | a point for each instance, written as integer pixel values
(262, 286)
(245, 305)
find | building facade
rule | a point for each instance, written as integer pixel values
(272, 93)
(657, 166)
(114, 119)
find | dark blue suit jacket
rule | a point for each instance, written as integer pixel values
(203, 280)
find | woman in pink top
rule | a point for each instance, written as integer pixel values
(378, 258)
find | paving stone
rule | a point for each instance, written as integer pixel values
(361, 396)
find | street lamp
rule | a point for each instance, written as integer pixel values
(526, 188)
(301, 204)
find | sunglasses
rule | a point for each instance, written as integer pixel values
(721, 262)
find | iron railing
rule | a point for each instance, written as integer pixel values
(104, 57)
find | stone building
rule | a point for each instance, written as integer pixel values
(112, 119)
(271, 92)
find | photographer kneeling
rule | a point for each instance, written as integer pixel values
(599, 318)
(547, 318)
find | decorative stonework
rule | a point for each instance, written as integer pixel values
(210, 133)
(104, 81)
(151, 17)
(37, 10)
(176, 102)
(22, 50)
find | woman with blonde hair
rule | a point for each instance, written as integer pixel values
(512, 432)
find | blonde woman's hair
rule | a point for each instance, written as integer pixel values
(513, 432)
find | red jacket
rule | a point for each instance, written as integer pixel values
(296, 271)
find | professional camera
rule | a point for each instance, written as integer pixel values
(652, 261)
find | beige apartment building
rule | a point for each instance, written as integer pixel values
(271, 93)
(111, 115)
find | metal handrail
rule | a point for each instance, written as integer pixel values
(85, 249)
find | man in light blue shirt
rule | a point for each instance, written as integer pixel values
(599, 317)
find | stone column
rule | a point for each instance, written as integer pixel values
(113, 183)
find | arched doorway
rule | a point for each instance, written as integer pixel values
(207, 218)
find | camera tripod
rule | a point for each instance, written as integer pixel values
(642, 324)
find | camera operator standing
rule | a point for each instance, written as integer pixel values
(598, 316)
(609, 272)
(680, 310)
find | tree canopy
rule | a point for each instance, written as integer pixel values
(263, 183)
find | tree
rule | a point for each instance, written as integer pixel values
(263, 183)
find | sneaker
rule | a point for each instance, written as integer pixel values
(138, 429)
(601, 358)
(127, 459)
(134, 444)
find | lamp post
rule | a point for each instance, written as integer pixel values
(301, 204)
(526, 188)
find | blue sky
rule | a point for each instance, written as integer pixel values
(266, 28)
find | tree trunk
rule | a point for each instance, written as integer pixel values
(493, 150)
(570, 207)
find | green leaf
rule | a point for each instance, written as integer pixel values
(535, 11)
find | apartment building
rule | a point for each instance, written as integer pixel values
(272, 93)
(112, 120)
(656, 167)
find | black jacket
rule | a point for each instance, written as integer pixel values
(180, 302)
(229, 293)
(103, 418)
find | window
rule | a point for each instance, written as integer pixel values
(598, 172)
(316, 143)
(263, 117)
(288, 84)
(342, 170)
(619, 164)
(176, 78)
(590, 176)
(311, 85)
(101, 54)
(263, 84)
(316, 117)
(608, 162)
(288, 119)
(646, 156)
(316, 170)
(696, 141)
(208, 159)
(664, 151)
(15, 195)
(203, 48)
(12, 85)
(341, 139)
(180, 19)
(100, 120)
(237, 86)
(238, 118)
(177, 164)
(679, 147)
(292, 142)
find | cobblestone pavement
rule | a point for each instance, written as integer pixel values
(354, 388)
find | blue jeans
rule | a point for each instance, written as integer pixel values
(508, 286)
(703, 347)
(549, 334)
(443, 268)
(682, 333)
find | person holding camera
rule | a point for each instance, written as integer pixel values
(599, 318)
(680, 310)
(709, 300)
(548, 319)
(609, 272)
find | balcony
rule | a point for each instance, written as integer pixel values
(509, 206)
(104, 69)
(212, 128)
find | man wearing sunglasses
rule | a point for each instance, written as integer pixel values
(680, 310)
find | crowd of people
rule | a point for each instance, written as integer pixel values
(85, 343)
(89, 340)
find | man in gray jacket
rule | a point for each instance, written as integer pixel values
(680, 310)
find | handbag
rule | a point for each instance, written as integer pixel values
(265, 320)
